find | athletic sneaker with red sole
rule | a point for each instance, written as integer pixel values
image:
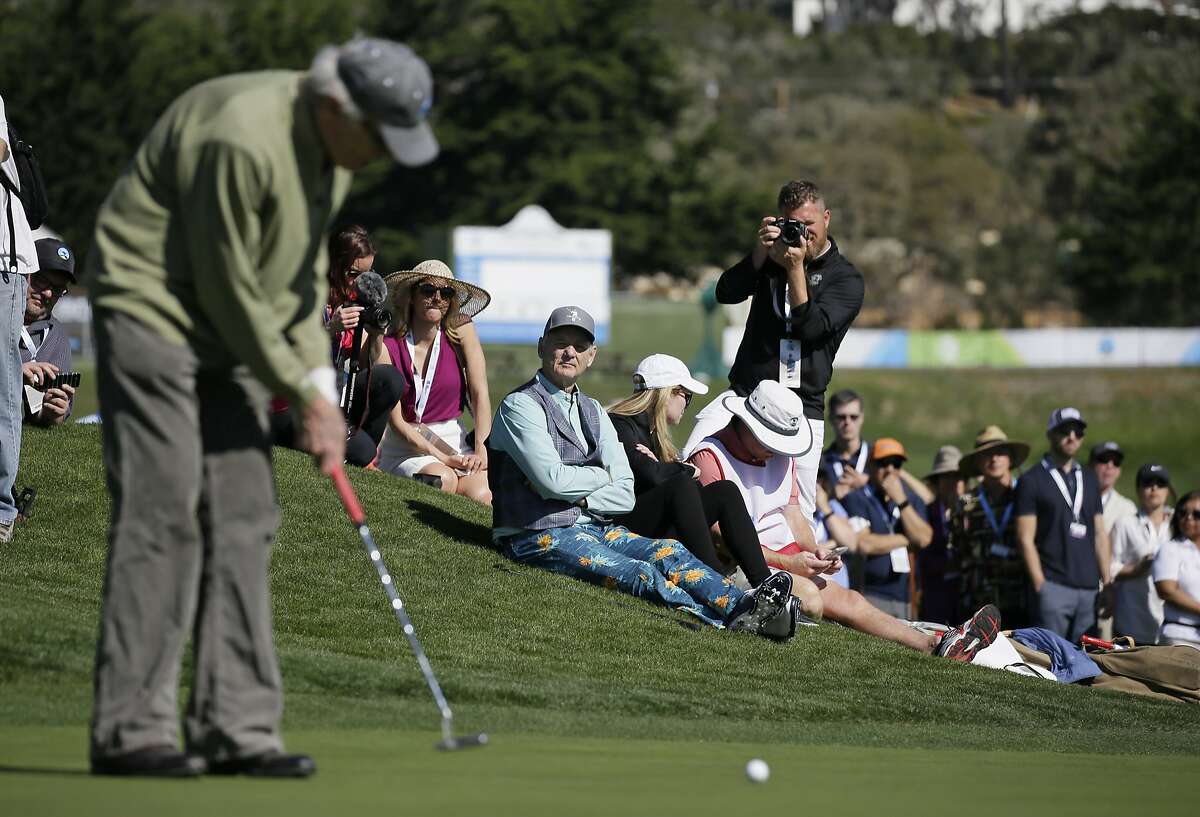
(976, 633)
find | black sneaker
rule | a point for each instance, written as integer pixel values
(976, 633)
(153, 761)
(270, 764)
(762, 604)
(782, 627)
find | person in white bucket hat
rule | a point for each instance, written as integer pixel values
(669, 501)
(754, 451)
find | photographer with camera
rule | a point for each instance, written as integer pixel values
(45, 348)
(804, 296)
(437, 350)
(356, 319)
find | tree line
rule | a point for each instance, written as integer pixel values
(1067, 192)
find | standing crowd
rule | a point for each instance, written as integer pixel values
(216, 294)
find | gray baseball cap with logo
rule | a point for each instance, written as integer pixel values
(571, 316)
(394, 88)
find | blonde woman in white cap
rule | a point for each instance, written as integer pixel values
(437, 350)
(670, 502)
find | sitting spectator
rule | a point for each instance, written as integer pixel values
(983, 529)
(1105, 460)
(437, 350)
(45, 347)
(753, 451)
(1136, 540)
(559, 476)
(376, 388)
(670, 502)
(897, 517)
(1177, 575)
(937, 576)
(1060, 525)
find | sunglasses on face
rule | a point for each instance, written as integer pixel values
(890, 462)
(41, 282)
(847, 418)
(429, 290)
(1193, 515)
(1154, 483)
(1067, 431)
(685, 394)
(1108, 460)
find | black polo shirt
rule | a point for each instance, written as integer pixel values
(1065, 559)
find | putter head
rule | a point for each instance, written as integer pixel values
(454, 742)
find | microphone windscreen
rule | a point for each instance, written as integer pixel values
(371, 289)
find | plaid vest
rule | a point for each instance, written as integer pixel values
(514, 503)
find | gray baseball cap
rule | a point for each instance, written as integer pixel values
(571, 316)
(393, 86)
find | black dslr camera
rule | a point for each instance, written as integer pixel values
(792, 231)
(376, 318)
(62, 379)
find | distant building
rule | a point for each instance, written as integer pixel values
(983, 15)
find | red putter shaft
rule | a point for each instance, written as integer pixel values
(349, 499)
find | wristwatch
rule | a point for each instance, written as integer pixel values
(901, 506)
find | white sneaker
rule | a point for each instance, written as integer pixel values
(6, 531)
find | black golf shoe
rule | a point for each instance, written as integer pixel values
(153, 761)
(762, 604)
(270, 764)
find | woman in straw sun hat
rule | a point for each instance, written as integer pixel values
(670, 503)
(437, 350)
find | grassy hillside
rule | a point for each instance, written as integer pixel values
(520, 650)
(595, 702)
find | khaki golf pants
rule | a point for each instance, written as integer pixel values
(188, 464)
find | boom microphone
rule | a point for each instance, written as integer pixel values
(369, 289)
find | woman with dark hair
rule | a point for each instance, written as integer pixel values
(435, 347)
(1177, 575)
(670, 502)
(377, 388)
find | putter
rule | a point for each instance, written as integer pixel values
(449, 741)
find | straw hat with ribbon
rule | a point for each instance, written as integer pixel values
(987, 441)
(471, 299)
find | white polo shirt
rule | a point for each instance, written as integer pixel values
(1138, 610)
(1179, 560)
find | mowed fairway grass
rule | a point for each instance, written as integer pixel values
(596, 703)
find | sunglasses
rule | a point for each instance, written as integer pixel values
(847, 418)
(685, 394)
(41, 282)
(1193, 514)
(1109, 459)
(1067, 431)
(890, 462)
(1155, 483)
(429, 290)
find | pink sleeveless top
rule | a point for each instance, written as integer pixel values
(447, 395)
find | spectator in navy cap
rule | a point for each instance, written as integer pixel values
(45, 346)
(1060, 527)
(1137, 608)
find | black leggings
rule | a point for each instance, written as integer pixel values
(681, 508)
(376, 398)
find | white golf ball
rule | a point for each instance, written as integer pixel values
(757, 770)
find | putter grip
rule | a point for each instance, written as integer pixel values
(349, 500)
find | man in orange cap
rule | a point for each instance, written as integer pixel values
(897, 517)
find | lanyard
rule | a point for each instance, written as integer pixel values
(430, 370)
(33, 348)
(1077, 505)
(783, 309)
(860, 465)
(890, 517)
(998, 528)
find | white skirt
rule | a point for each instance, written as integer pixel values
(396, 456)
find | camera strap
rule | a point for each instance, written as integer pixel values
(32, 347)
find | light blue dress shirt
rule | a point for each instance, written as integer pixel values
(520, 431)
